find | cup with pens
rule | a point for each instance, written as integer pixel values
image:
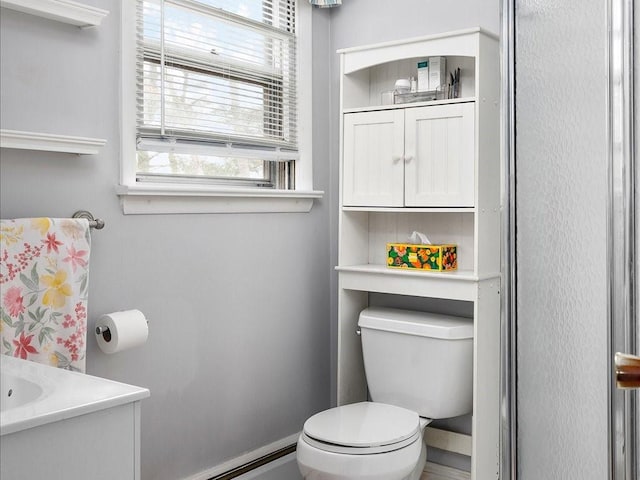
(454, 89)
(451, 89)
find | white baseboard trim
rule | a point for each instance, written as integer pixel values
(245, 458)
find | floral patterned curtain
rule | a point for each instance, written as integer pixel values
(44, 267)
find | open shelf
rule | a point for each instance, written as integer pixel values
(64, 11)
(456, 285)
(50, 143)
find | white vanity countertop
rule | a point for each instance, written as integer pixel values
(65, 394)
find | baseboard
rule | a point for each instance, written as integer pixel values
(244, 459)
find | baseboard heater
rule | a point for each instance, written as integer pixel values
(442, 439)
(258, 462)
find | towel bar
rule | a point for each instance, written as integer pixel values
(96, 223)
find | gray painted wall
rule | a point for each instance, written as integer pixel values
(238, 354)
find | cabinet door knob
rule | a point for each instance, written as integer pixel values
(396, 158)
(408, 158)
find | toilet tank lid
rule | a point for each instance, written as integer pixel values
(423, 324)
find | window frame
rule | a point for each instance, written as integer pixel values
(175, 197)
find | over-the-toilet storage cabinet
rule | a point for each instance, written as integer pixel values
(433, 167)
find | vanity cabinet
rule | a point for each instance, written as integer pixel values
(410, 157)
(432, 167)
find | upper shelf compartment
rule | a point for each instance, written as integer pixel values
(370, 70)
(64, 11)
(50, 143)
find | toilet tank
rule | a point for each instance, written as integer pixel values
(417, 360)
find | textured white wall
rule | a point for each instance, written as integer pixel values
(561, 171)
(238, 351)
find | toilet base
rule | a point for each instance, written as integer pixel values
(404, 464)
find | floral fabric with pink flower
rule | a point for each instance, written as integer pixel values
(44, 273)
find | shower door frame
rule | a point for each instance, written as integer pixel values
(622, 243)
(624, 429)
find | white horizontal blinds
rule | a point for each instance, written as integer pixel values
(218, 72)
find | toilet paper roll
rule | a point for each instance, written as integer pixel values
(125, 330)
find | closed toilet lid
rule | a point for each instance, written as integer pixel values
(361, 425)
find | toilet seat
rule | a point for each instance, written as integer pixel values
(362, 429)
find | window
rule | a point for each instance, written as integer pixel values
(217, 81)
(216, 102)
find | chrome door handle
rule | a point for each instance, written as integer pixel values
(627, 370)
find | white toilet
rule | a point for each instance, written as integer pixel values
(419, 367)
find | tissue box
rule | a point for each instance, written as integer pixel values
(423, 257)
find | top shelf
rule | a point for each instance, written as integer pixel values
(65, 11)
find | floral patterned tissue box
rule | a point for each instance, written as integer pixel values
(437, 258)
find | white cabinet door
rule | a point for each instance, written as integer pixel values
(373, 159)
(439, 156)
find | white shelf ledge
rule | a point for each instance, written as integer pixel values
(456, 285)
(141, 199)
(50, 143)
(64, 11)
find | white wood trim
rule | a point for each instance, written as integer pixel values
(485, 423)
(456, 275)
(424, 38)
(177, 199)
(304, 23)
(49, 142)
(461, 43)
(449, 441)
(137, 415)
(246, 458)
(128, 93)
(64, 11)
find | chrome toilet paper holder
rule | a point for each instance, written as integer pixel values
(106, 332)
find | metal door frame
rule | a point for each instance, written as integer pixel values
(621, 254)
(508, 361)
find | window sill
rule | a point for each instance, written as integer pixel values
(172, 199)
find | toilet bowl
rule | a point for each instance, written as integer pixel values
(362, 441)
(418, 366)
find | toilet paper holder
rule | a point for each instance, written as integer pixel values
(105, 332)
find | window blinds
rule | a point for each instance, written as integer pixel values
(217, 73)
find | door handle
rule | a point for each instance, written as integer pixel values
(627, 370)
